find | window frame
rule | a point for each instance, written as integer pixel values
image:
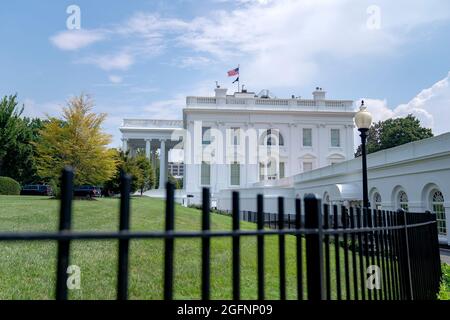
(303, 137)
(339, 145)
(202, 173)
(237, 166)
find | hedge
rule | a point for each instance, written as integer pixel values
(9, 186)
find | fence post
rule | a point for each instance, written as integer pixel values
(206, 245)
(314, 255)
(436, 264)
(124, 244)
(64, 225)
(281, 249)
(169, 243)
(260, 244)
(236, 248)
(407, 268)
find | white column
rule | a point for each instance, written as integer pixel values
(124, 145)
(447, 220)
(162, 165)
(147, 148)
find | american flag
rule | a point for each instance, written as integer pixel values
(233, 72)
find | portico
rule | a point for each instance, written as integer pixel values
(154, 138)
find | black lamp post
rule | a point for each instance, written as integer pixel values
(363, 120)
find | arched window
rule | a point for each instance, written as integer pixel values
(272, 137)
(437, 206)
(377, 201)
(403, 200)
(268, 170)
(326, 198)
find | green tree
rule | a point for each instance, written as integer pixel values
(138, 167)
(394, 132)
(17, 137)
(146, 178)
(76, 140)
(178, 183)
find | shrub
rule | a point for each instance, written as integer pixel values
(444, 293)
(9, 186)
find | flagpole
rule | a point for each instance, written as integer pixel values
(239, 75)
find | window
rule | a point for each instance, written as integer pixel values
(403, 200)
(437, 206)
(335, 138)
(269, 171)
(307, 166)
(377, 201)
(282, 166)
(235, 172)
(272, 137)
(205, 174)
(261, 171)
(307, 137)
(235, 136)
(326, 198)
(206, 135)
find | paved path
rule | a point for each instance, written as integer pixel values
(445, 256)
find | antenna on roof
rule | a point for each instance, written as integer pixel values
(217, 85)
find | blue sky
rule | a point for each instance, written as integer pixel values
(141, 58)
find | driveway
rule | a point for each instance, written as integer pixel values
(445, 256)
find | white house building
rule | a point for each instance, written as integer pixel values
(414, 176)
(257, 144)
(235, 141)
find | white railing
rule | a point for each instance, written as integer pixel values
(272, 102)
(306, 103)
(235, 101)
(152, 123)
(231, 100)
(338, 103)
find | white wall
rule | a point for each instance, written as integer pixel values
(292, 153)
(417, 168)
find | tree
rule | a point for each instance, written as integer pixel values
(146, 178)
(394, 132)
(76, 140)
(177, 182)
(17, 136)
(138, 167)
(9, 125)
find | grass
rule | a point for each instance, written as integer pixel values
(27, 269)
(444, 293)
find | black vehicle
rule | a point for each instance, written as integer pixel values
(36, 190)
(87, 191)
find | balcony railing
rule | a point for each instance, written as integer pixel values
(292, 104)
(151, 123)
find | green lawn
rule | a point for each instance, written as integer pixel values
(27, 270)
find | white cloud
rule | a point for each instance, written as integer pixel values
(119, 61)
(279, 43)
(35, 109)
(193, 62)
(115, 79)
(431, 106)
(76, 39)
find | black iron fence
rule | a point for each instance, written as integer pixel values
(350, 253)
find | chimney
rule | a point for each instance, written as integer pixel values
(319, 94)
(220, 92)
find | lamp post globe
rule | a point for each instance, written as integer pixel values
(363, 118)
(363, 121)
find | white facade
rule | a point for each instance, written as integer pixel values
(414, 176)
(251, 139)
(253, 116)
(176, 169)
(231, 142)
